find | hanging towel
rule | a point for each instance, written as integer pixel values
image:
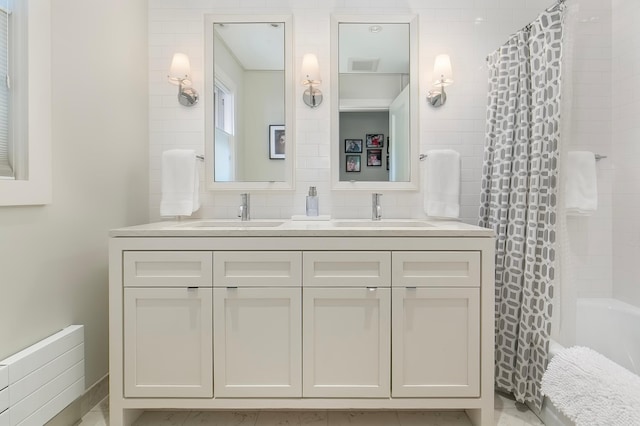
(180, 183)
(442, 184)
(581, 189)
(592, 390)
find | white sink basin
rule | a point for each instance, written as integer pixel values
(232, 224)
(381, 224)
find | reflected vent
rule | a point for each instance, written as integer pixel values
(363, 65)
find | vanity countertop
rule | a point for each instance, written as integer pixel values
(302, 228)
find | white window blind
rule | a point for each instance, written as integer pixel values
(6, 169)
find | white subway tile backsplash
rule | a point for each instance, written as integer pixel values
(468, 30)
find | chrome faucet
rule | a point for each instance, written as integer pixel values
(245, 208)
(376, 209)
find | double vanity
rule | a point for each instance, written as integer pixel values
(301, 315)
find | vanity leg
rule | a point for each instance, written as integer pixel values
(122, 417)
(481, 416)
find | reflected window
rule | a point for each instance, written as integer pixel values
(224, 119)
(223, 108)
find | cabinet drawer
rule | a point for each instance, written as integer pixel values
(167, 269)
(347, 269)
(436, 268)
(257, 268)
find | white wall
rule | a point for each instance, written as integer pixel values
(53, 259)
(466, 29)
(262, 88)
(626, 152)
(590, 122)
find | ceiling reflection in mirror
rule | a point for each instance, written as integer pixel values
(374, 107)
(249, 102)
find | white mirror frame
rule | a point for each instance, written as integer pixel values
(288, 183)
(413, 183)
(36, 190)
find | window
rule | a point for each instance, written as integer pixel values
(30, 104)
(6, 152)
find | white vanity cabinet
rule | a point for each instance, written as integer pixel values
(167, 308)
(436, 311)
(347, 324)
(257, 324)
(301, 319)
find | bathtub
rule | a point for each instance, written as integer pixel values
(608, 326)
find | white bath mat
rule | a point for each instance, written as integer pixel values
(592, 390)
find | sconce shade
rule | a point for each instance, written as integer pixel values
(312, 97)
(310, 69)
(179, 74)
(442, 72)
(180, 70)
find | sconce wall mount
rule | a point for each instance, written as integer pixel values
(437, 97)
(179, 74)
(187, 96)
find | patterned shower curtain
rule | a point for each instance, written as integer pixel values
(519, 198)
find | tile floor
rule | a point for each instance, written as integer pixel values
(507, 413)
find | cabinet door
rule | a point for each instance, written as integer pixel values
(167, 342)
(257, 342)
(436, 342)
(346, 347)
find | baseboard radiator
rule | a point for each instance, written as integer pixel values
(41, 380)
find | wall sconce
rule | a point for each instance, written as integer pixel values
(311, 76)
(179, 74)
(444, 77)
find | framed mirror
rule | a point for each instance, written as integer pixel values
(374, 106)
(248, 102)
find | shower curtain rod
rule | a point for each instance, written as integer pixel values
(551, 8)
(597, 156)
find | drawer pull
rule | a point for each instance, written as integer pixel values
(232, 287)
(412, 288)
(372, 288)
(192, 288)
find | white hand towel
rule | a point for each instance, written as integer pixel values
(442, 184)
(180, 183)
(581, 190)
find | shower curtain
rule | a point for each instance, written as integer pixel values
(519, 198)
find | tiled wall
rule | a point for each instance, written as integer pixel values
(626, 152)
(590, 238)
(466, 29)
